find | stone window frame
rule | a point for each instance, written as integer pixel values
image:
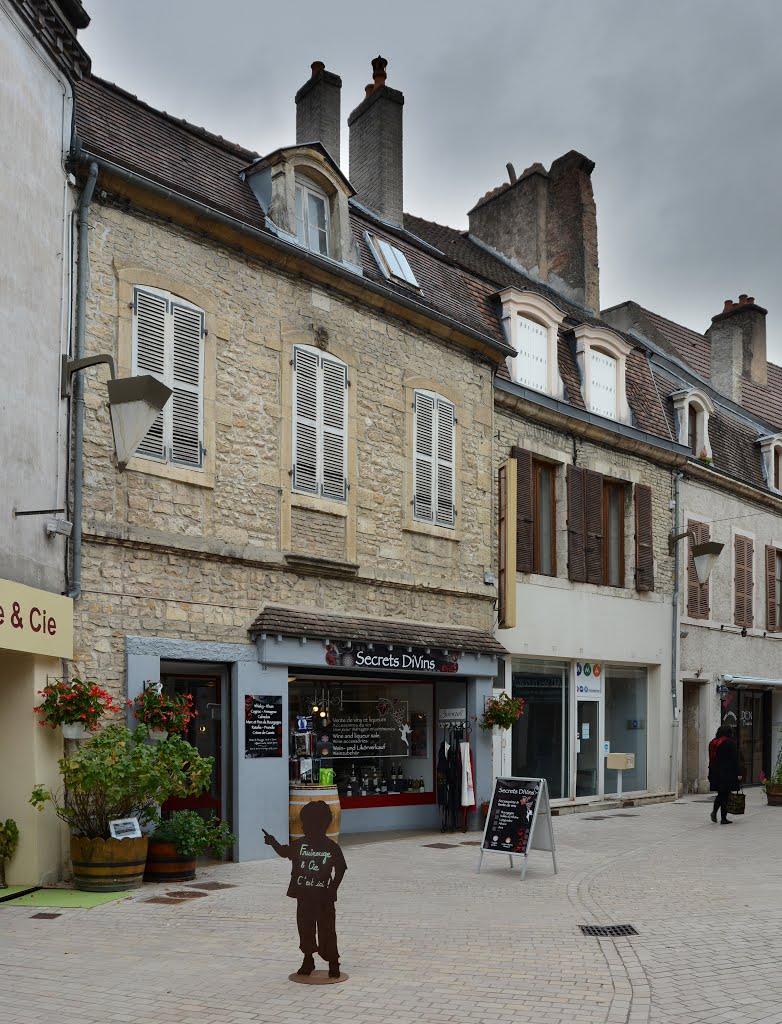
(295, 499)
(533, 306)
(683, 401)
(308, 187)
(590, 338)
(129, 277)
(410, 524)
(771, 446)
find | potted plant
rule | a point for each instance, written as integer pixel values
(116, 774)
(773, 783)
(162, 713)
(502, 711)
(178, 841)
(76, 706)
(9, 840)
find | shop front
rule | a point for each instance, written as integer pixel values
(748, 711)
(36, 633)
(575, 714)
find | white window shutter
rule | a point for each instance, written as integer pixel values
(603, 384)
(149, 357)
(446, 476)
(334, 421)
(532, 360)
(188, 376)
(305, 420)
(423, 466)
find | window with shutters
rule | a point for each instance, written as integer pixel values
(532, 324)
(613, 533)
(536, 511)
(532, 360)
(320, 414)
(434, 459)
(602, 361)
(168, 343)
(644, 539)
(743, 581)
(596, 528)
(697, 593)
(602, 368)
(771, 450)
(773, 589)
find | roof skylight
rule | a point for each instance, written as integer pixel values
(392, 261)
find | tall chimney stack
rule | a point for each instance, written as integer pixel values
(738, 346)
(546, 221)
(317, 110)
(376, 146)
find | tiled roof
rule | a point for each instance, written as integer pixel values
(280, 621)
(734, 448)
(691, 347)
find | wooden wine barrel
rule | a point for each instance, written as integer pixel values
(108, 865)
(164, 864)
(302, 794)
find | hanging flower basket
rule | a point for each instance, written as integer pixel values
(77, 703)
(162, 713)
(74, 731)
(502, 712)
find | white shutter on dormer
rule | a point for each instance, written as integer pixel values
(334, 377)
(446, 476)
(188, 376)
(423, 456)
(532, 360)
(149, 357)
(305, 420)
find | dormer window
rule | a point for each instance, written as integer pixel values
(693, 409)
(531, 325)
(602, 359)
(771, 450)
(312, 221)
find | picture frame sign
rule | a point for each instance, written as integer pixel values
(518, 821)
(262, 725)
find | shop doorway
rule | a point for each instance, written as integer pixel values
(747, 712)
(588, 759)
(540, 745)
(205, 732)
(692, 768)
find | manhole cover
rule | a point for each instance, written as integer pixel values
(164, 899)
(187, 894)
(607, 930)
(212, 886)
(43, 917)
(440, 846)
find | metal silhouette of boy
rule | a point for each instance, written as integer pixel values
(317, 868)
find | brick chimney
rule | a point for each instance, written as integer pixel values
(738, 346)
(546, 222)
(317, 109)
(376, 146)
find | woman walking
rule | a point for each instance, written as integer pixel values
(723, 771)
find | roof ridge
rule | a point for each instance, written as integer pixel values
(235, 148)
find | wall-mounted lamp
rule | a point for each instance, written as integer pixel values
(134, 403)
(703, 555)
(722, 691)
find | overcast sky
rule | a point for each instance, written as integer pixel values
(678, 102)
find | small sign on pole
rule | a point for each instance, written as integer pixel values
(519, 820)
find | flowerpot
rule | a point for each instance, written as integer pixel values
(74, 731)
(108, 865)
(164, 864)
(774, 795)
(158, 735)
(301, 794)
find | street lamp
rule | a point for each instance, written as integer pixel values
(134, 403)
(703, 555)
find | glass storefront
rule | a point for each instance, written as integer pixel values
(747, 712)
(625, 724)
(540, 738)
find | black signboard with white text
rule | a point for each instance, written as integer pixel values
(519, 820)
(391, 658)
(262, 726)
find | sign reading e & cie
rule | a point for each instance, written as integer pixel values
(35, 621)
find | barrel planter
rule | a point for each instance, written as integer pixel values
(108, 865)
(774, 795)
(302, 794)
(164, 864)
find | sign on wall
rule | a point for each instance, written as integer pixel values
(35, 621)
(589, 678)
(385, 656)
(262, 726)
(376, 729)
(519, 820)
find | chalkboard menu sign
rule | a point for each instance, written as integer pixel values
(517, 807)
(262, 726)
(383, 730)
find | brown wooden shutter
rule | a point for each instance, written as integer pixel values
(744, 579)
(525, 513)
(594, 527)
(697, 595)
(644, 545)
(576, 524)
(772, 612)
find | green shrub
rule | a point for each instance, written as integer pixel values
(192, 835)
(9, 840)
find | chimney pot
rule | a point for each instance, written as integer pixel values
(379, 65)
(743, 299)
(369, 88)
(728, 306)
(376, 146)
(317, 66)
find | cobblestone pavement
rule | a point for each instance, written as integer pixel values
(425, 938)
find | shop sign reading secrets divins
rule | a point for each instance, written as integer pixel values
(385, 656)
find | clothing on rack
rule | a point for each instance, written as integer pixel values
(468, 786)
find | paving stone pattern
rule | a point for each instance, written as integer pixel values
(426, 939)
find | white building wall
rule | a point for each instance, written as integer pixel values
(35, 113)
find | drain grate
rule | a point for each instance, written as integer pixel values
(43, 917)
(166, 900)
(624, 815)
(597, 817)
(212, 886)
(440, 846)
(185, 894)
(470, 842)
(607, 930)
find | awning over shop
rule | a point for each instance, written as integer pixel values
(751, 682)
(298, 622)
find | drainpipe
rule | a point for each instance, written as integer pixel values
(675, 730)
(78, 378)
